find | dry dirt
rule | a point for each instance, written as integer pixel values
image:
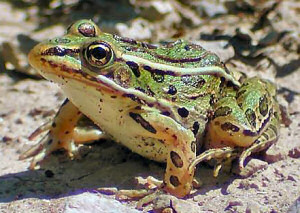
(257, 37)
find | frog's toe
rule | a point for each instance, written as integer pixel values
(43, 128)
(39, 151)
(143, 196)
(35, 150)
(47, 145)
(242, 159)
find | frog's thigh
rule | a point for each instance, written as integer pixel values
(180, 143)
(60, 134)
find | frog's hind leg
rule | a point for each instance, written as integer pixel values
(266, 139)
(62, 133)
(246, 119)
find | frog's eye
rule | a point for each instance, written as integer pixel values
(98, 54)
(85, 28)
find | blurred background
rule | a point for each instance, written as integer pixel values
(256, 37)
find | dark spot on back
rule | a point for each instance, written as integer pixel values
(134, 67)
(166, 113)
(183, 112)
(187, 47)
(172, 90)
(157, 77)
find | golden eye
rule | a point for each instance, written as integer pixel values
(99, 54)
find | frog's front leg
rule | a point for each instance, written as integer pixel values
(62, 133)
(180, 145)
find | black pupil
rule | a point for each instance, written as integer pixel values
(98, 53)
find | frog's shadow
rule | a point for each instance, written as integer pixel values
(103, 165)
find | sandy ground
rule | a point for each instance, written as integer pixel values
(63, 185)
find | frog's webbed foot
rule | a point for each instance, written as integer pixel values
(221, 155)
(62, 133)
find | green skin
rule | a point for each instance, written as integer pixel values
(162, 102)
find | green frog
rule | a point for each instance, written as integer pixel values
(175, 102)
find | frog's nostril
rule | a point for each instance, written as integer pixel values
(61, 40)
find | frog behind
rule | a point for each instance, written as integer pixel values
(162, 102)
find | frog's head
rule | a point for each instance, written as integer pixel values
(83, 54)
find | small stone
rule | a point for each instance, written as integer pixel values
(139, 29)
(295, 153)
(295, 208)
(290, 177)
(6, 139)
(253, 185)
(156, 10)
(88, 202)
(252, 207)
(168, 202)
(252, 166)
(274, 154)
(232, 204)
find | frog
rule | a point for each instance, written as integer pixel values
(172, 102)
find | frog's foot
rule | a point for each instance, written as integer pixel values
(60, 140)
(150, 184)
(221, 155)
(46, 145)
(62, 134)
(266, 139)
(153, 187)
